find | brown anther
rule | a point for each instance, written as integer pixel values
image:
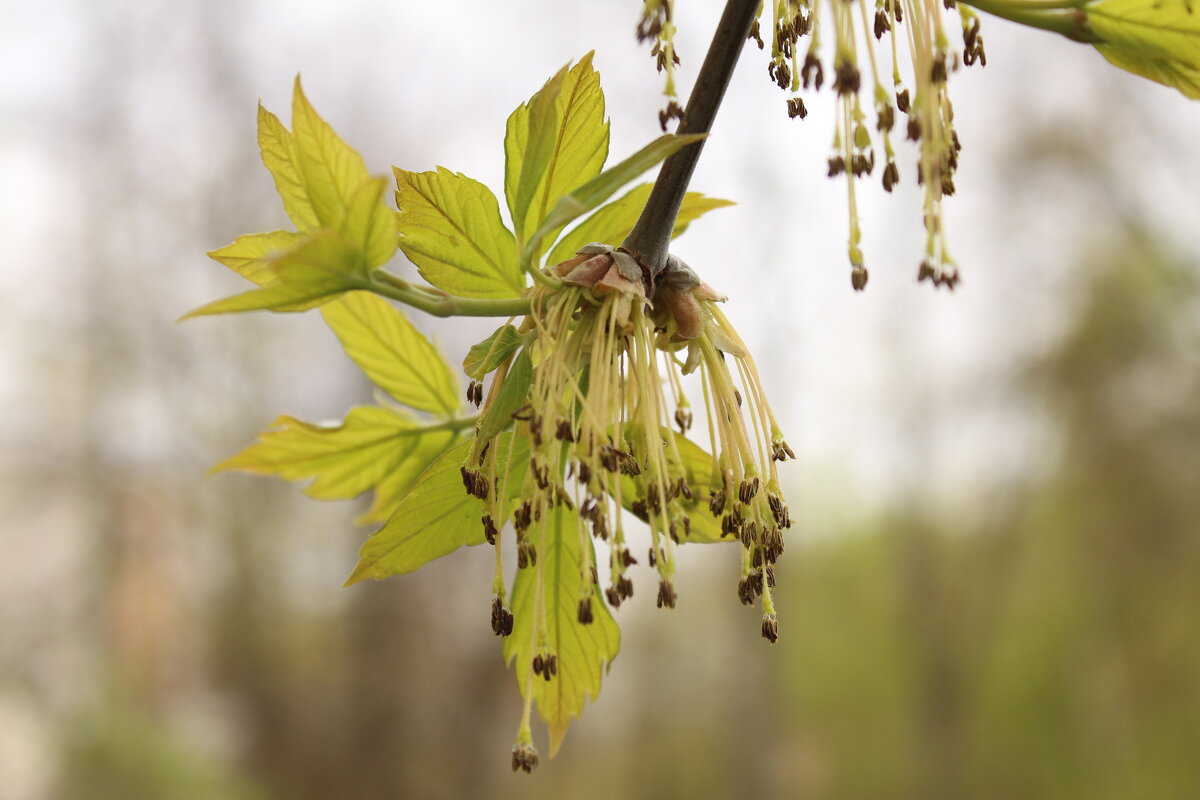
(716, 501)
(858, 278)
(756, 35)
(897, 11)
(887, 118)
(748, 489)
(630, 465)
(812, 71)
(937, 73)
(882, 25)
(538, 664)
(552, 665)
(502, 619)
(770, 628)
(585, 611)
(613, 597)
(563, 499)
(563, 432)
(653, 559)
(914, 130)
(638, 508)
(737, 396)
(891, 176)
(837, 165)
(683, 418)
(524, 757)
(585, 473)
(902, 96)
(925, 272)
(610, 458)
(490, 532)
(625, 587)
(627, 558)
(846, 77)
(666, 594)
(796, 108)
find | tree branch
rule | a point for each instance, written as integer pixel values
(650, 238)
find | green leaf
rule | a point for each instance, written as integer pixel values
(322, 267)
(435, 516)
(576, 155)
(493, 351)
(696, 465)
(374, 448)
(603, 186)
(1157, 39)
(369, 224)
(279, 157)
(450, 228)
(612, 222)
(332, 171)
(511, 397)
(584, 651)
(393, 353)
(529, 138)
(251, 255)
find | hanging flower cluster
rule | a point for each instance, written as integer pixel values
(868, 102)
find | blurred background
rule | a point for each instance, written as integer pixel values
(991, 588)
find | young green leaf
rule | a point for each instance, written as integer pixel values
(251, 255)
(450, 228)
(393, 353)
(331, 170)
(435, 516)
(586, 197)
(579, 147)
(374, 448)
(529, 138)
(510, 399)
(322, 267)
(583, 651)
(367, 222)
(612, 222)
(279, 157)
(1157, 39)
(493, 351)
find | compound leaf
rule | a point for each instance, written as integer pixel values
(391, 352)
(450, 227)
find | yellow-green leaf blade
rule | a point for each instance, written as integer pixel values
(373, 447)
(579, 148)
(332, 170)
(590, 195)
(511, 397)
(612, 222)
(450, 227)
(529, 138)
(251, 255)
(1157, 39)
(279, 157)
(322, 267)
(369, 224)
(493, 351)
(391, 352)
(435, 516)
(583, 651)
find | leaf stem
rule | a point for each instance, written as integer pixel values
(650, 238)
(440, 304)
(1066, 18)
